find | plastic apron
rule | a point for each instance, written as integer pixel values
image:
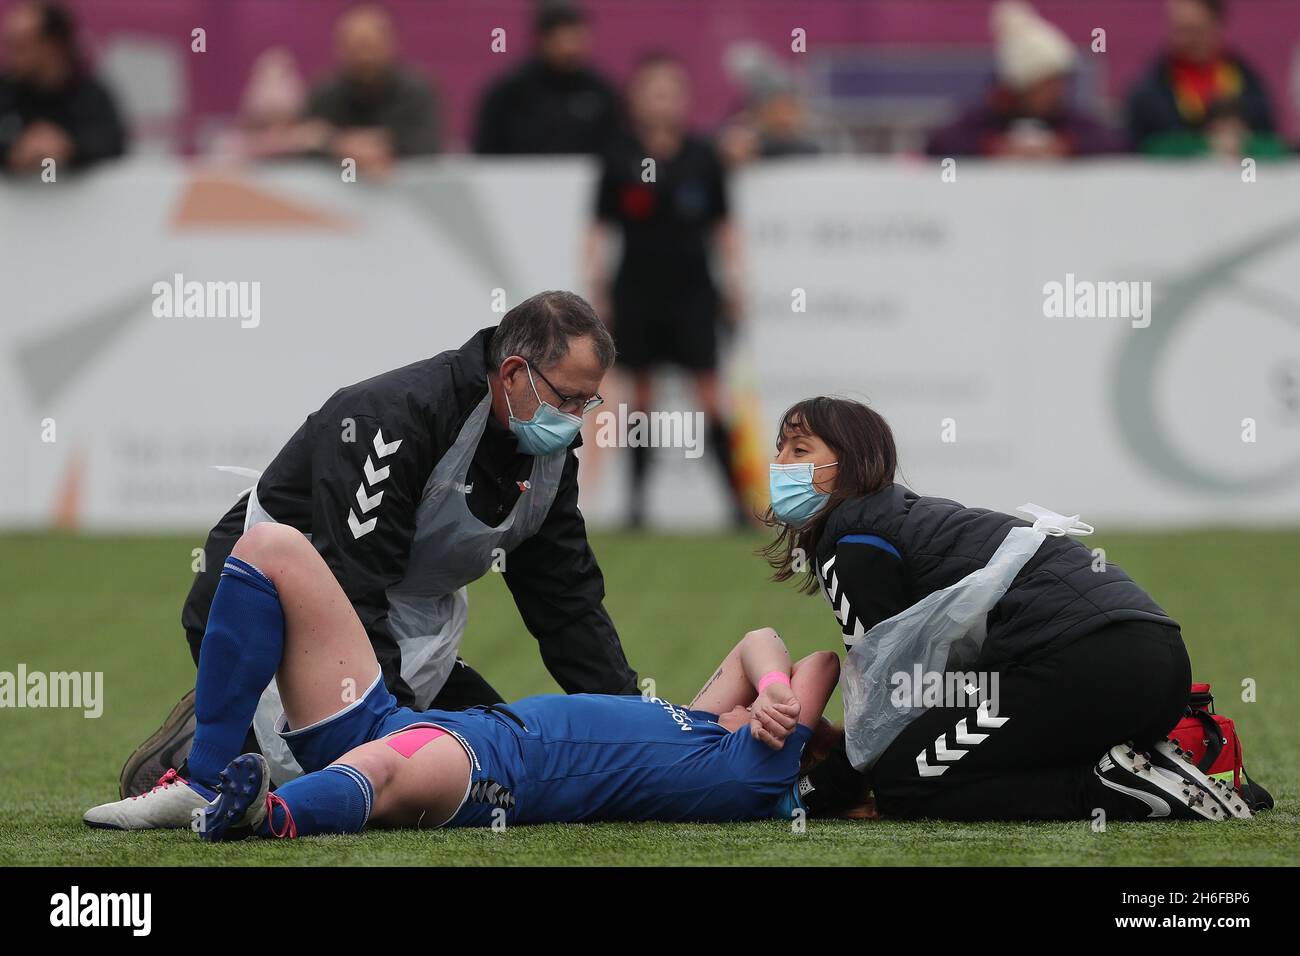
(428, 609)
(943, 631)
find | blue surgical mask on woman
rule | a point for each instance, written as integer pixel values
(795, 498)
(548, 431)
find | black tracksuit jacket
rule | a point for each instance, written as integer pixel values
(311, 485)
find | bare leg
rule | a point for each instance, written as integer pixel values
(424, 789)
(328, 661)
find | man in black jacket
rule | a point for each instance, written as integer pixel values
(553, 102)
(417, 481)
(372, 109)
(1198, 96)
(51, 107)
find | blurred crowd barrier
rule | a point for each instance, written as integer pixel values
(885, 71)
(957, 308)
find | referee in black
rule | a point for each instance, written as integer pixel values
(664, 190)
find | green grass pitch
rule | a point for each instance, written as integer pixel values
(113, 605)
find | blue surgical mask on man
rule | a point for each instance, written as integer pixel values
(548, 431)
(795, 498)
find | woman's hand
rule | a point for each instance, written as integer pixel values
(774, 715)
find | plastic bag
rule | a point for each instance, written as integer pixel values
(941, 632)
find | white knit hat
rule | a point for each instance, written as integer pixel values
(1029, 48)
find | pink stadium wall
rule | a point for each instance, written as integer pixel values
(449, 39)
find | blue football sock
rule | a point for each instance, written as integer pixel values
(334, 800)
(240, 654)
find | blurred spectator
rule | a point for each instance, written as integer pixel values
(1027, 114)
(673, 214)
(1198, 97)
(270, 112)
(773, 124)
(553, 102)
(779, 121)
(373, 110)
(51, 107)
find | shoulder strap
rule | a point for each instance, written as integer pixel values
(1213, 738)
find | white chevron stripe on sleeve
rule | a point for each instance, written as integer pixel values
(923, 767)
(384, 450)
(984, 719)
(374, 475)
(360, 528)
(941, 751)
(368, 502)
(963, 736)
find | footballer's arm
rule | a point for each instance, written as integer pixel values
(757, 675)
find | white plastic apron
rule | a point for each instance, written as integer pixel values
(943, 631)
(428, 609)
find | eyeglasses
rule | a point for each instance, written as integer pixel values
(571, 404)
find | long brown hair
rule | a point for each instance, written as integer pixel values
(868, 460)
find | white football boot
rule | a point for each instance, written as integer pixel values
(170, 805)
(1128, 770)
(1169, 755)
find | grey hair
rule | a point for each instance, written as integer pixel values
(540, 328)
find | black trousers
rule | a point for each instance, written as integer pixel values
(465, 687)
(1056, 715)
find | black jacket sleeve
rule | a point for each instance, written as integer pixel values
(97, 131)
(606, 206)
(559, 590)
(492, 124)
(1256, 110)
(367, 478)
(11, 124)
(865, 583)
(416, 123)
(1150, 111)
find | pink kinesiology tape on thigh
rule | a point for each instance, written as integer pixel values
(408, 742)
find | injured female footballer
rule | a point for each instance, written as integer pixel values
(278, 612)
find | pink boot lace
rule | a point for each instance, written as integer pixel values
(165, 781)
(290, 829)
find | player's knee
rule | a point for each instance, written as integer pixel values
(267, 540)
(762, 634)
(377, 762)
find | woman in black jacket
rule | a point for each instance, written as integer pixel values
(1081, 674)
